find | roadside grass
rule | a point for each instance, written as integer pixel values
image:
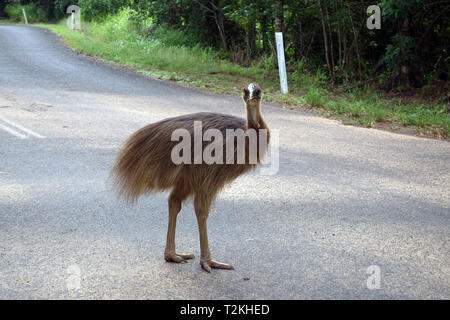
(167, 56)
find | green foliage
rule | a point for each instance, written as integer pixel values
(299, 73)
(34, 13)
(98, 9)
(414, 34)
(14, 12)
(397, 9)
(37, 10)
(194, 41)
(400, 52)
(191, 17)
(306, 79)
(174, 37)
(315, 97)
(114, 28)
(115, 40)
(268, 62)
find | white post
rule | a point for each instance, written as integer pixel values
(73, 19)
(281, 62)
(25, 15)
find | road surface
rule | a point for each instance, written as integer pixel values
(344, 198)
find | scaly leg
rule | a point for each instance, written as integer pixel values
(201, 205)
(169, 252)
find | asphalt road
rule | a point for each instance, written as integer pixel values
(344, 198)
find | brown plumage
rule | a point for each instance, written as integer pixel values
(144, 165)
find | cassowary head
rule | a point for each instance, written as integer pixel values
(252, 96)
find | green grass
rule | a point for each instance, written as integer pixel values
(315, 97)
(167, 55)
(114, 41)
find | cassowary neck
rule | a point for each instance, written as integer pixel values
(254, 118)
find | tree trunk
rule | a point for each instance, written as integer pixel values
(219, 19)
(174, 18)
(279, 16)
(405, 69)
(279, 25)
(265, 40)
(325, 42)
(217, 14)
(339, 43)
(331, 38)
(355, 42)
(251, 38)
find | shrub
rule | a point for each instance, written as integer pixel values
(14, 12)
(34, 13)
(99, 9)
(314, 97)
(298, 74)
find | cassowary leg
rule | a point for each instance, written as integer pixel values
(201, 205)
(169, 252)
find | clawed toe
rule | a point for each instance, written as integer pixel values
(208, 264)
(178, 258)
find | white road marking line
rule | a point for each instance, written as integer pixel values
(13, 132)
(37, 135)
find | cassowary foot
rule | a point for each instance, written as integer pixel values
(178, 258)
(208, 264)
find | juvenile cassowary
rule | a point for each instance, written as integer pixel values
(145, 165)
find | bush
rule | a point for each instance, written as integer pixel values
(100, 9)
(34, 14)
(314, 97)
(14, 12)
(114, 27)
